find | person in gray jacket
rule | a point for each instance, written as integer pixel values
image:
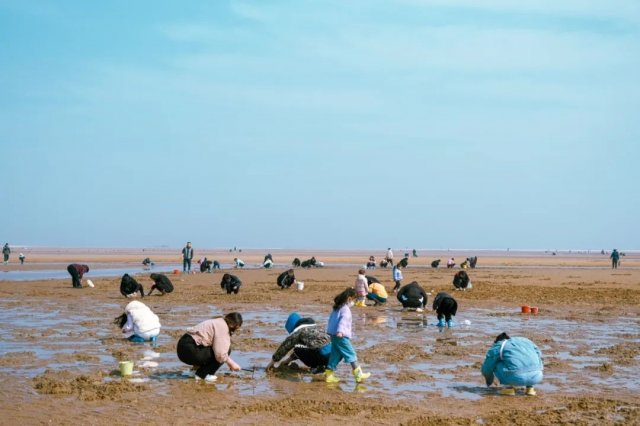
(310, 344)
(515, 362)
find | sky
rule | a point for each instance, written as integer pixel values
(320, 124)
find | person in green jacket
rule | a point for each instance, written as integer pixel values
(615, 259)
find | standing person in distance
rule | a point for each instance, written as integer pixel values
(389, 256)
(187, 257)
(6, 251)
(615, 259)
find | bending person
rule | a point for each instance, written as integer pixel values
(129, 286)
(310, 344)
(445, 307)
(77, 271)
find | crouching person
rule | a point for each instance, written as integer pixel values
(140, 320)
(377, 293)
(515, 361)
(286, 279)
(413, 297)
(230, 283)
(445, 307)
(310, 344)
(161, 283)
(208, 345)
(461, 281)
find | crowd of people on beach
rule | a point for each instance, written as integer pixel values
(516, 362)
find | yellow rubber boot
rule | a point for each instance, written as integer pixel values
(359, 375)
(329, 377)
(508, 391)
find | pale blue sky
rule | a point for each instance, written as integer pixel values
(320, 124)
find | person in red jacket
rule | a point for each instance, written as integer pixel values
(77, 271)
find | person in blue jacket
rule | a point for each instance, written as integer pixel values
(516, 362)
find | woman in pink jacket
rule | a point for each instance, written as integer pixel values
(207, 346)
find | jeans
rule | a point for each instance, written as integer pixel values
(186, 265)
(376, 298)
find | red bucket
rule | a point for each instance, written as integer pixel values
(176, 271)
(525, 309)
(534, 310)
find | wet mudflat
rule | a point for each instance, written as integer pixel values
(60, 351)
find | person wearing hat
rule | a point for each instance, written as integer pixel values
(515, 361)
(310, 344)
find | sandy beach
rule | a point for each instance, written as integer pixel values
(59, 350)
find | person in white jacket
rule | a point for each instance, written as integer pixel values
(139, 320)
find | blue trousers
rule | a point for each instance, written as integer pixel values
(341, 349)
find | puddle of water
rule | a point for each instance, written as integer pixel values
(54, 337)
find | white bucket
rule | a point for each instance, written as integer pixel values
(90, 283)
(300, 285)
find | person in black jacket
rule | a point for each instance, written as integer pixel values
(230, 283)
(413, 296)
(461, 281)
(286, 279)
(205, 265)
(162, 284)
(129, 286)
(445, 307)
